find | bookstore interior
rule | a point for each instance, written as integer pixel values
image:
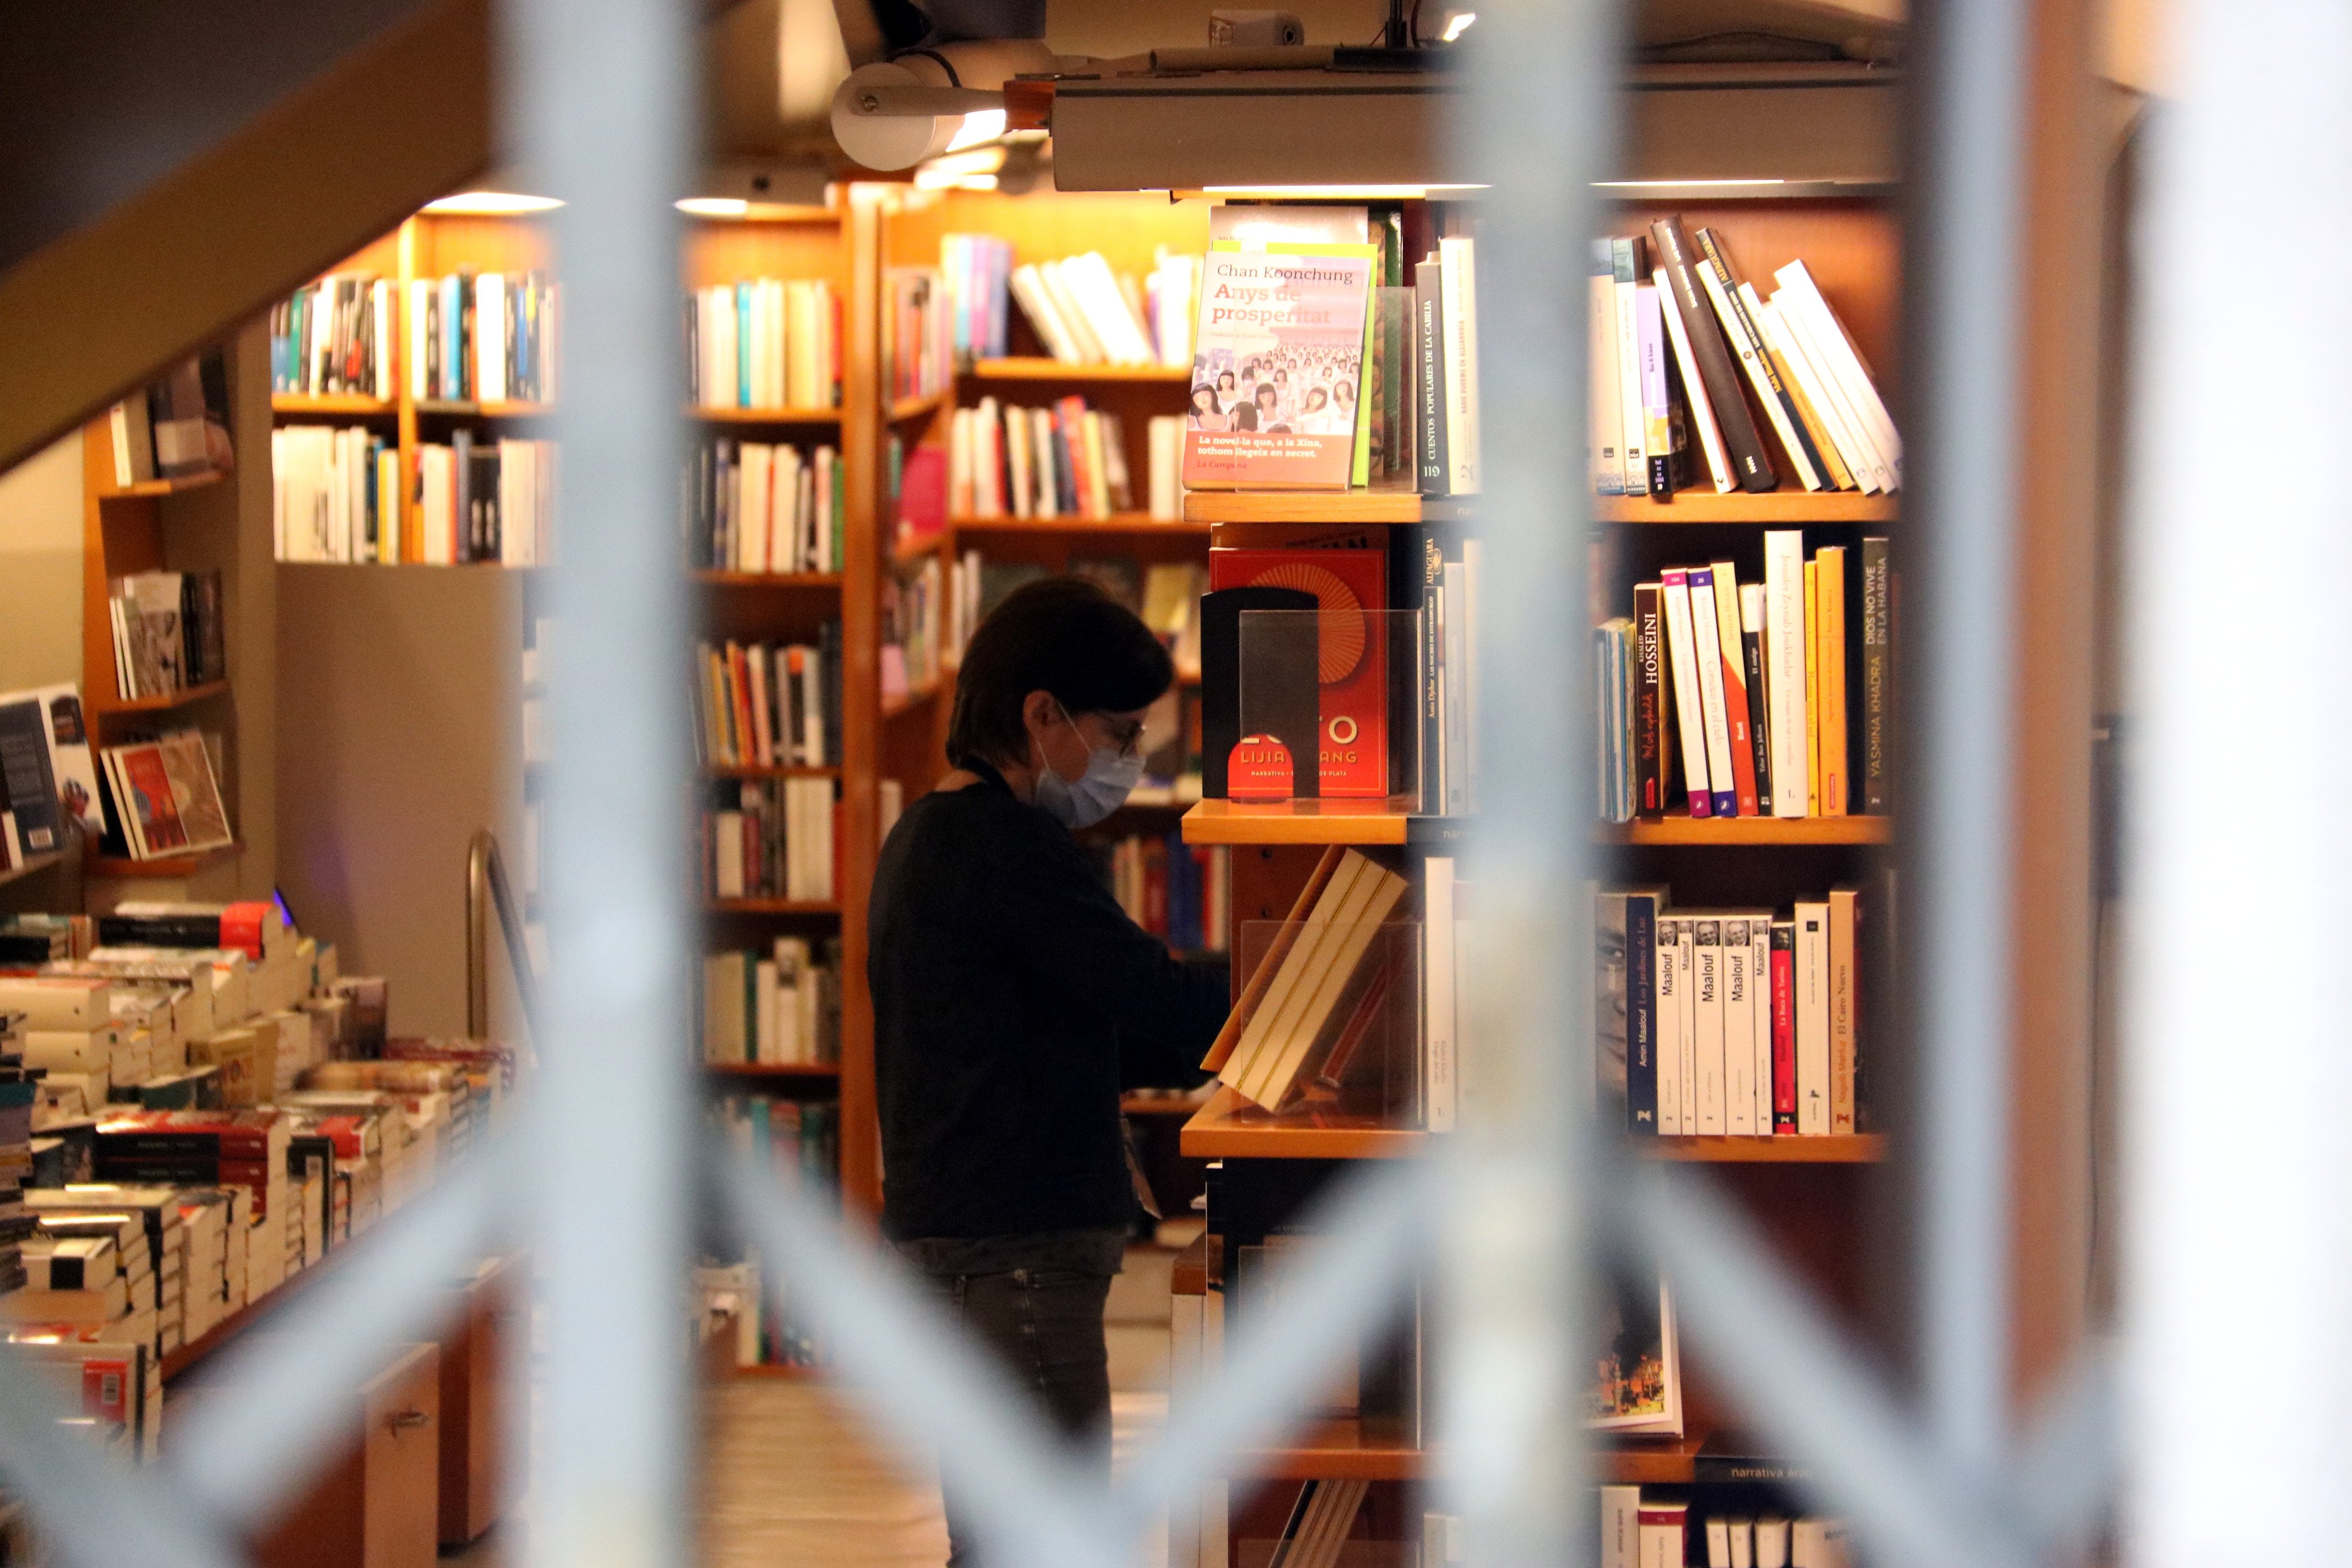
(1196, 307)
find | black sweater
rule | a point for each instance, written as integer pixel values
(1013, 1001)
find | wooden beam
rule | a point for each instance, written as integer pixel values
(390, 127)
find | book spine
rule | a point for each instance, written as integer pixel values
(1707, 998)
(1672, 1016)
(1600, 353)
(1706, 652)
(1682, 662)
(1784, 1028)
(1632, 421)
(1727, 595)
(1461, 282)
(1657, 412)
(1719, 372)
(1760, 733)
(1429, 353)
(1784, 656)
(1651, 730)
(1812, 987)
(1812, 691)
(1641, 1014)
(1694, 385)
(1837, 767)
(1844, 1006)
(1760, 1002)
(1877, 676)
(1439, 1045)
(1739, 1039)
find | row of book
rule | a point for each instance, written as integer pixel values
(1681, 342)
(801, 1142)
(1085, 314)
(769, 706)
(145, 797)
(1731, 1023)
(483, 337)
(334, 494)
(1644, 1529)
(975, 271)
(1179, 893)
(169, 632)
(765, 343)
(484, 500)
(919, 348)
(1067, 460)
(923, 633)
(780, 1006)
(174, 428)
(769, 838)
(335, 337)
(753, 507)
(1775, 707)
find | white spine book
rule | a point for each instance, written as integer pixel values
(491, 338)
(763, 992)
(1829, 334)
(1811, 978)
(1817, 1544)
(1682, 662)
(1794, 346)
(1742, 1542)
(1784, 674)
(1459, 283)
(1702, 411)
(1669, 982)
(1686, 984)
(1738, 1032)
(1707, 1000)
(1760, 970)
(1621, 1527)
(1605, 413)
(1439, 1037)
(1771, 1543)
(1707, 654)
(1632, 418)
(380, 336)
(420, 296)
(1719, 1541)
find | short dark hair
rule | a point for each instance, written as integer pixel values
(1062, 635)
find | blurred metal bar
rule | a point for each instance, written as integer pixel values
(2239, 1249)
(601, 89)
(1961, 259)
(1538, 121)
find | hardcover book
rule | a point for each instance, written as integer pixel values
(1352, 658)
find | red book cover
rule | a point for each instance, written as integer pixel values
(241, 925)
(1784, 1028)
(151, 798)
(106, 1389)
(1155, 887)
(1350, 588)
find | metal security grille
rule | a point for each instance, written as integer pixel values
(599, 1176)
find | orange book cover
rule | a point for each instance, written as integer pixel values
(1351, 589)
(1280, 328)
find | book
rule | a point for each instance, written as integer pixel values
(1875, 787)
(1751, 651)
(1837, 351)
(1682, 663)
(171, 800)
(1661, 424)
(1632, 421)
(1812, 688)
(1718, 372)
(1621, 1527)
(1265, 315)
(1706, 656)
(1844, 1004)
(1822, 419)
(1785, 645)
(1836, 767)
(1319, 974)
(1664, 1525)
(1736, 706)
(1460, 280)
(1672, 979)
(1738, 1031)
(1637, 1362)
(1345, 671)
(1810, 978)
(1694, 389)
(1707, 1011)
(1783, 981)
(1722, 280)
(1647, 982)
(28, 780)
(1605, 411)
(1653, 730)
(1432, 464)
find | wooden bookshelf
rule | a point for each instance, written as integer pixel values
(1033, 368)
(1837, 1148)
(468, 409)
(708, 413)
(1300, 821)
(1383, 504)
(711, 578)
(1378, 1451)
(333, 404)
(756, 770)
(1117, 523)
(772, 906)
(166, 865)
(1731, 832)
(151, 490)
(1775, 508)
(916, 407)
(777, 1071)
(185, 696)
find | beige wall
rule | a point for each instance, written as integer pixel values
(40, 568)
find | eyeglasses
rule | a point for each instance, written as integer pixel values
(1126, 734)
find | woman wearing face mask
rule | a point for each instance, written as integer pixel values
(1013, 1000)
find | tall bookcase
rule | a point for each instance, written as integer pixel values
(1807, 1194)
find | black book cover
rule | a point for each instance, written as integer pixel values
(191, 931)
(1429, 375)
(1751, 651)
(1719, 256)
(461, 447)
(1878, 677)
(486, 501)
(1717, 371)
(1220, 678)
(31, 788)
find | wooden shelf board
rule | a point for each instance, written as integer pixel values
(357, 405)
(712, 414)
(1135, 1103)
(1841, 1149)
(911, 407)
(1299, 822)
(783, 1370)
(32, 865)
(771, 906)
(1117, 523)
(761, 771)
(914, 698)
(1739, 830)
(1229, 1127)
(1382, 505)
(166, 865)
(1038, 368)
(716, 579)
(1789, 506)
(463, 408)
(1344, 1450)
(772, 1069)
(161, 487)
(921, 550)
(185, 697)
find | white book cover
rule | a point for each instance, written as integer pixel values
(1738, 1031)
(1782, 330)
(1873, 465)
(1751, 360)
(420, 297)
(1818, 1543)
(491, 338)
(1707, 1002)
(1810, 977)
(1459, 281)
(1862, 392)
(1784, 677)
(1742, 1542)
(1621, 1527)
(1702, 411)
(1771, 1543)
(1682, 663)
(1633, 420)
(1438, 978)
(1759, 969)
(1719, 1541)
(1707, 654)
(1687, 987)
(1668, 979)
(1605, 413)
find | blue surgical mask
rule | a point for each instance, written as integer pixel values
(1110, 777)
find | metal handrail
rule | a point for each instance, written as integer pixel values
(487, 887)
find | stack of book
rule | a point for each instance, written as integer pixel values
(777, 1008)
(1067, 460)
(115, 1388)
(919, 348)
(334, 494)
(486, 501)
(1646, 1530)
(977, 268)
(482, 336)
(765, 343)
(754, 507)
(18, 1091)
(335, 336)
(168, 632)
(1732, 1023)
(1775, 708)
(758, 706)
(769, 838)
(143, 1304)
(1085, 314)
(1318, 1527)
(1179, 893)
(1682, 345)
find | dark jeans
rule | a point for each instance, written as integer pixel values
(1045, 1326)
